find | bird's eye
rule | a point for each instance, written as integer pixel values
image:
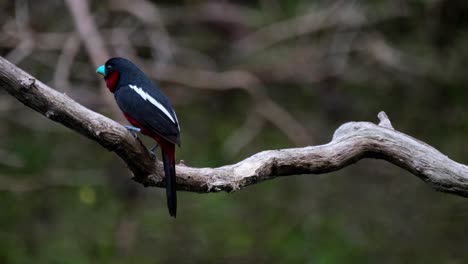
(108, 70)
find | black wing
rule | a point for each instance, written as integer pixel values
(151, 109)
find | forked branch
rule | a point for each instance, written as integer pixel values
(351, 142)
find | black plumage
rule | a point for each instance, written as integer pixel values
(146, 107)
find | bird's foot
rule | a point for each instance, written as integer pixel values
(152, 155)
(133, 130)
(151, 151)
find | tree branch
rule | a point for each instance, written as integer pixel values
(351, 142)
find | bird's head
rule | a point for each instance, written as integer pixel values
(116, 70)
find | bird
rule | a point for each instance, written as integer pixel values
(148, 111)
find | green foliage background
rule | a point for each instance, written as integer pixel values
(64, 199)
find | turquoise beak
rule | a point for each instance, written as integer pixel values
(101, 70)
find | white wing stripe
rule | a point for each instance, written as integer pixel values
(178, 124)
(153, 101)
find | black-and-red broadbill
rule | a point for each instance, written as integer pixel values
(149, 111)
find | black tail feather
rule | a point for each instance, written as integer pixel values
(169, 171)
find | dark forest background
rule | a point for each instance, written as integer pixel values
(244, 76)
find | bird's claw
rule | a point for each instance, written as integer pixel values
(133, 130)
(151, 151)
(152, 155)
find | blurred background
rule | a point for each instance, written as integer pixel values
(244, 76)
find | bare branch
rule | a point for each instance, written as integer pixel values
(384, 121)
(312, 21)
(26, 46)
(71, 47)
(87, 29)
(266, 107)
(92, 40)
(244, 135)
(60, 108)
(351, 142)
(150, 15)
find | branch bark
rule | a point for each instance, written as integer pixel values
(351, 142)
